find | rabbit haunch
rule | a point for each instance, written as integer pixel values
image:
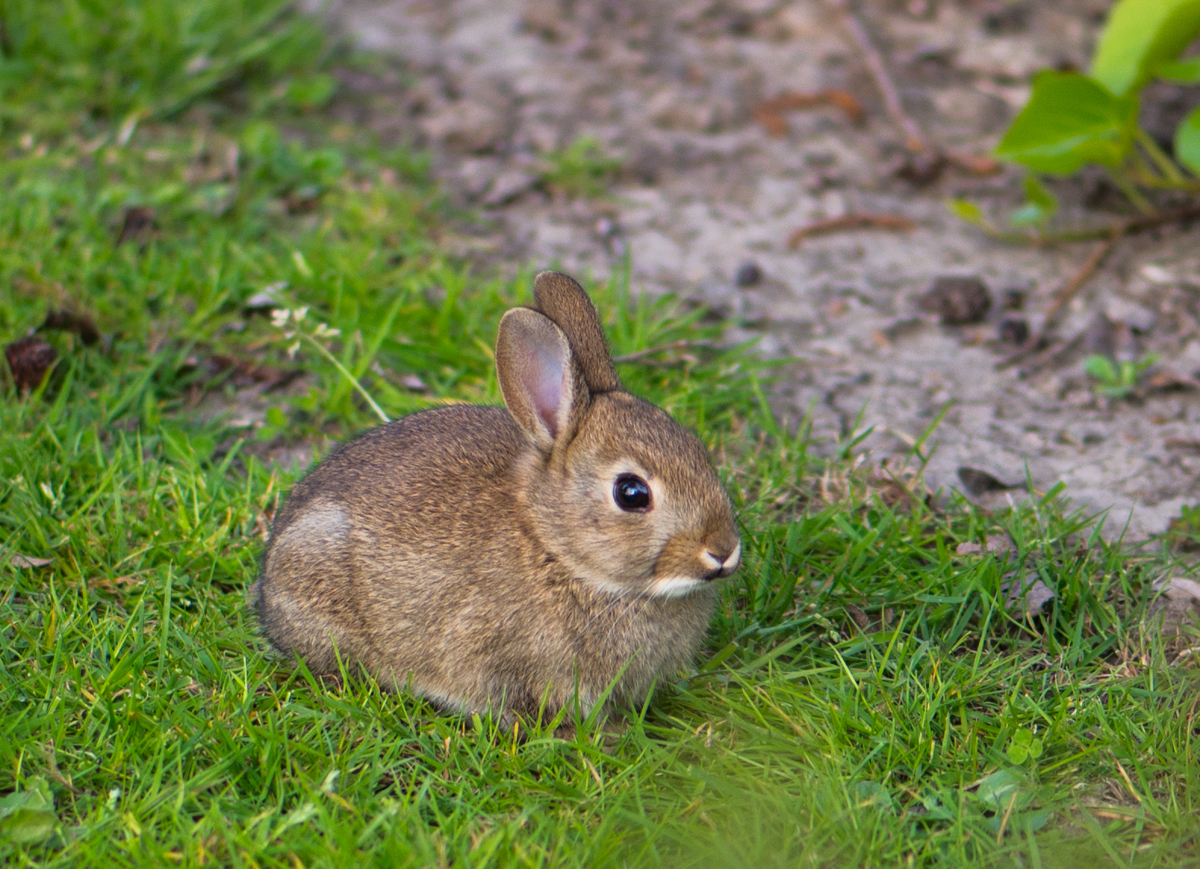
(479, 555)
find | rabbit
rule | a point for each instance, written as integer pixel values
(516, 559)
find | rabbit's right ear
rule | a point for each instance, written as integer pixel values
(541, 381)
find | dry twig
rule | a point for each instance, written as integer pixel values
(892, 222)
(914, 140)
(927, 160)
(1064, 295)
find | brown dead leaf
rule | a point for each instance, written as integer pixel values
(975, 164)
(112, 586)
(1030, 594)
(69, 321)
(16, 559)
(29, 359)
(136, 224)
(771, 113)
(860, 618)
(1170, 381)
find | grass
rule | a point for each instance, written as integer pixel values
(866, 698)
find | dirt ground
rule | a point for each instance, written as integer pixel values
(707, 200)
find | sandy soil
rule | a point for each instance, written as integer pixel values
(706, 202)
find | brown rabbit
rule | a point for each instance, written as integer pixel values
(508, 558)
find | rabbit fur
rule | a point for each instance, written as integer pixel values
(477, 556)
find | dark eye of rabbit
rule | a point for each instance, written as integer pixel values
(631, 493)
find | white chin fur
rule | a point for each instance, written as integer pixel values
(675, 586)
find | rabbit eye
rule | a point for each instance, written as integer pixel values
(631, 493)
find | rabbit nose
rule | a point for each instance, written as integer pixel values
(722, 563)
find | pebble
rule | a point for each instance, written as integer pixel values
(1013, 330)
(748, 274)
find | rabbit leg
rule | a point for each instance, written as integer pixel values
(305, 597)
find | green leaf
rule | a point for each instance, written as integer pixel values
(965, 211)
(1070, 120)
(1182, 71)
(28, 816)
(261, 140)
(1139, 37)
(1038, 195)
(870, 792)
(1187, 141)
(997, 789)
(311, 92)
(1101, 368)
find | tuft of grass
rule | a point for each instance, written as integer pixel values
(63, 60)
(581, 169)
(869, 696)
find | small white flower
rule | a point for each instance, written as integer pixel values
(291, 351)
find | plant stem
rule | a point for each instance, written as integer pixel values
(1126, 186)
(383, 417)
(1165, 164)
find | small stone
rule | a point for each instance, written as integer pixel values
(748, 274)
(978, 482)
(467, 125)
(957, 301)
(1013, 330)
(1013, 299)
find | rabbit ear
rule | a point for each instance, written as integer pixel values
(566, 303)
(539, 377)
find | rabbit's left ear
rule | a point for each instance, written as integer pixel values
(561, 299)
(541, 381)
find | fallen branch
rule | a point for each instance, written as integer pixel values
(893, 222)
(1131, 226)
(1064, 295)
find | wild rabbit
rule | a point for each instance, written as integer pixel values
(517, 558)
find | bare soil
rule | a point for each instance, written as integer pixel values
(706, 202)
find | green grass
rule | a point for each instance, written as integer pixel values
(865, 699)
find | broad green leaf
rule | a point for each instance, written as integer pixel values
(1070, 121)
(1139, 37)
(997, 788)
(873, 792)
(1182, 71)
(1187, 141)
(28, 816)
